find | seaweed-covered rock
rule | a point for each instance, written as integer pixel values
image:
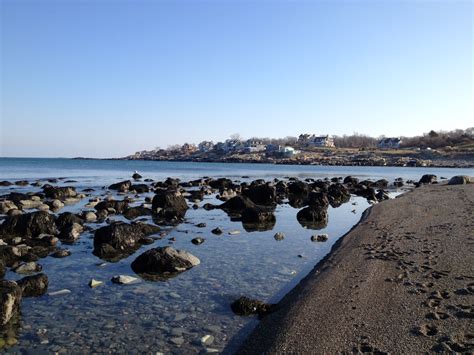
(10, 299)
(122, 186)
(169, 205)
(120, 239)
(28, 225)
(163, 262)
(59, 193)
(34, 286)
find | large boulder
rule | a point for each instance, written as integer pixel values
(221, 183)
(118, 240)
(59, 193)
(10, 299)
(317, 200)
(163, 262)
(134, 212)
(140, 188)
(258, 219)
(461, 180)
(34, 286)
(67, 219)
(338, 194)
(122, 186)
(9, 255)
(262, 194)
(298, 188)
(28, 225)
(237, 204)
(169, 205)
(313, 217)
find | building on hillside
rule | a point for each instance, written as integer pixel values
(389, 143)
(187, 148)
(321, 141)
(229, 146)
(206, 146)
(253, 146)
(303, 139)
(280, 151)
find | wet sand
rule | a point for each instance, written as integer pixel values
(401, 281)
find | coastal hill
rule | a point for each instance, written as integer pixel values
(441, 149)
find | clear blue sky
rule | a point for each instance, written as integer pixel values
(105, 78)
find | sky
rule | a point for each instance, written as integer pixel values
(106, 78)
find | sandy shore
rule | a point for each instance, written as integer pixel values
(402, 281)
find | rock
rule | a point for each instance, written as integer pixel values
(67, 219)
(56, 205)
(60, 193)
(201, 225)
(122, 186)
(197, 241)
(136, 176)
(237, 204)
(3, 269)
(94, 283)
(28, 267)
(6, 206)
(134, 212)
(5, 183)
(9, 254)
(10, 299)
(217, 231)
(118, 206)
(313, 218)
(28, 225)
(163, 262)
(177, 341)
(319, 238)
(61, 253)
(123, 279)
(169, 205)
(221, 183)
(279, 236)
(428, 179)
(245, 306)
(207, 340)
(351, 180)
(29, 204)
(461, 180)
(338, 194)
(71, 233)
(263, 194)
(34, 286)
(298, 188)
(90, 216)
(257, 215)
(140, 188)
(120, 239)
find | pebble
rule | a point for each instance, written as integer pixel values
(94, 283)
(207, 340)
(279, 236)
(234, 232)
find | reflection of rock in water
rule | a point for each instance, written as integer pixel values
(313, 217)
(10, 299)
(296, 201)
(258, 219)
(10, 333)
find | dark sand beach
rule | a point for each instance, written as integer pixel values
(401, 281)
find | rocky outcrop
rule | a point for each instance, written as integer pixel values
(118, 240)
(164, 262)
(338, 194)
(122, 186)
(28, 225)
(34, 286)
(170, 206)
(460, 180)
(261, 194)
(10, 299)
(313, 217)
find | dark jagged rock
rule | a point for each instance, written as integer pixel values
(221, 183)
(59, 193)
(197, 241)
(34, 286)
(5, 183)
(313, 218)
(134, 212)
(338, 194)
(67, 219)
(122, 186)
(3, 270)
(428, 179)
(169, 205)
(164, 262)
(71, 233)
(10, 299)
(28, 225)
(258, 215)
(120, 239)
(9, 254)
(118, 206)
(136, 176)
(237, 204)
(262, 194)
(196, 195)
(318, 200)
(140, 188)
(351, 180)
(245, 306)
(217, 231)
(298, 188)
(461, 180)
(16, 197)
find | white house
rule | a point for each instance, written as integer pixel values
(253, 145)
(206, 146)
(389, 143)
(321, 141)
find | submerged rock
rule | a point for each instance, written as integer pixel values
(245, 306)
(34, 286)
(163, 262)
(10, 299)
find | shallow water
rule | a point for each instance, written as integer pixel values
(172, 316)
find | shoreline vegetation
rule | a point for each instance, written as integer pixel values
(401, 279)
